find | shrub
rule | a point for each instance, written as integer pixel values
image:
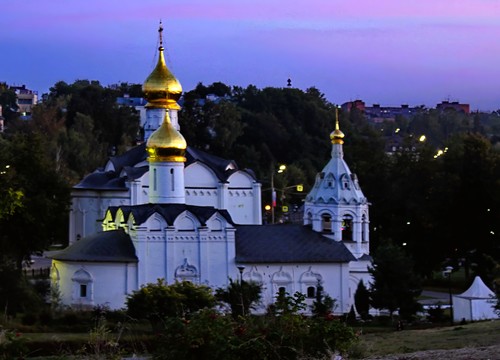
(436, 314)
(241, 296)
(210, 335)
(156, 302)
(12, 345)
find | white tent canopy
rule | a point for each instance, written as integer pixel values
(476, 303)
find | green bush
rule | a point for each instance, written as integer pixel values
(211, 335)
(158, 301)
(12, 345)
(436, 314)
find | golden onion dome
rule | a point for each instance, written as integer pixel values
(166, 143)
(337, 136)
(161, 88)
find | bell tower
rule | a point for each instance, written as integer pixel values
(336, 206)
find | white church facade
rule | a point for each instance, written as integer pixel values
(165, 210)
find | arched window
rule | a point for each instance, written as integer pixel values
(363, 229)
(172, 177)
(82, 287)
(309, 281)
(329, 181)
(311, 292)
(186, 272)
(282, 282)
(347, 228)
(346, 184)
(326, 223)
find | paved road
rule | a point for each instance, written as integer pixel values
(435, 297)
(39, 262)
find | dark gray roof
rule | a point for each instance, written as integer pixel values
(101, 180)
(111, 180)
(107, 246)
(287, 243)
(130, 157)
(169, 212)
(366, 257)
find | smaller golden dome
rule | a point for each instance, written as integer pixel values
(161, 88)
(337, 136)
(166, 143)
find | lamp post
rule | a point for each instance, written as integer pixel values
(281, 168)
(447, 272)
(241, 268)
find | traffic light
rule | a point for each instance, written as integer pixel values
(300, 188)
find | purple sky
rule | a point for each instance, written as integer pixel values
(387, 51)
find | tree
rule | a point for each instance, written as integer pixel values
(286, 304)
(8, 102)
(157, 301)
(323, 305)
(395, 285)
(114, 127)
(240, 296)
(362, 300)
(82, 150)
(41, 219)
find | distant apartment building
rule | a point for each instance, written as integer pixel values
(454, 105)
(26, 99)
(377, 114)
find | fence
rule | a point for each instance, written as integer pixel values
(39, 273)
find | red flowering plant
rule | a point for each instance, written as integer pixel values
(12, 345)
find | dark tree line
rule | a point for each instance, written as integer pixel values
(444, 207)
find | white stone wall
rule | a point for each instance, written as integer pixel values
(298, 277)
(107, 283)
(185, 251)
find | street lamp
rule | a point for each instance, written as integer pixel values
(281, 169)
(447, 272)
(241, 268)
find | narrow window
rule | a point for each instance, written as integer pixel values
(83, 290)
(311, 292)
(363, 229)
(154, 179)
(347, 228)
(172, 177)
(326, 223)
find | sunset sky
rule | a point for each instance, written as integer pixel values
(417, 52)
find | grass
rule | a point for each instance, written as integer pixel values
(453, 337)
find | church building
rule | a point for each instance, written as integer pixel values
(166, 210)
